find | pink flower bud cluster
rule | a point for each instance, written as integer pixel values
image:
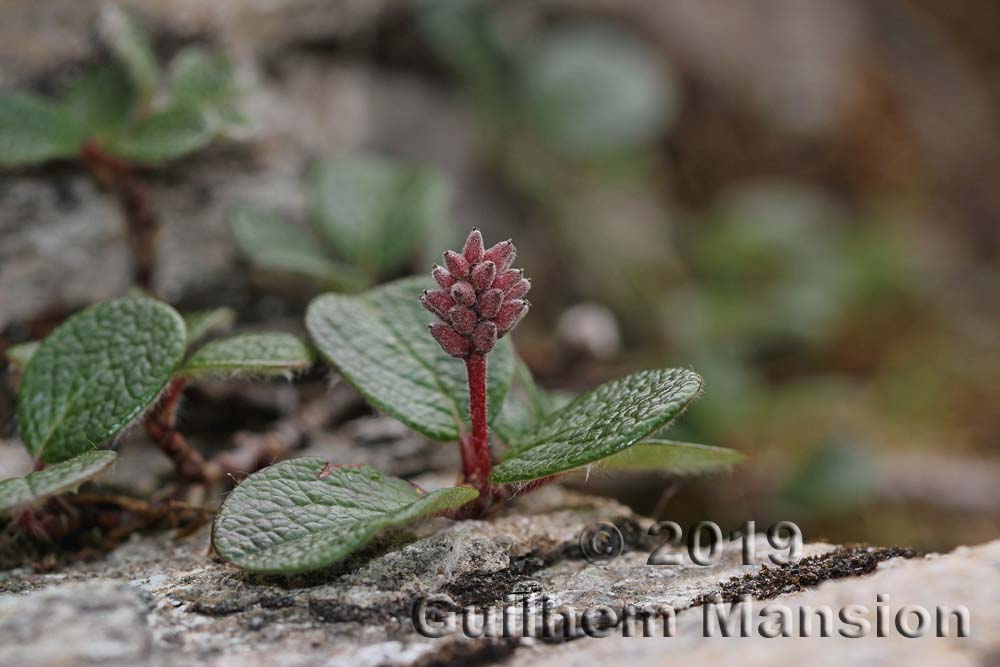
(481, 297)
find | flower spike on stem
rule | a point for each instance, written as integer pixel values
(480, 302)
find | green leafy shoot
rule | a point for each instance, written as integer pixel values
(95, 373)
(257, 354)
(305, 514)
(118, 109)
(448, 380)
(369, 217)
(19, 492)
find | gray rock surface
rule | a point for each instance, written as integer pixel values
(968, 577)
(159, 601)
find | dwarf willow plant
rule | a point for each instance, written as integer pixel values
(121, 116)
(369, 217)
(306, 513)
(107, 366)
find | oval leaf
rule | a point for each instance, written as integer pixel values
(271, 242)
(32, 130)
(593, 91)
(379, 342)
(671, 456)
(373, 211)
(304, 514)
(95, 373)
(101, 101)
(131, 48)
(600, 423)
(201, 77)
(164, 135)
(250, 353)
(19, 492)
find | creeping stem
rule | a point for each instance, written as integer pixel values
(161, 424)
(134, 200)
(479, 449)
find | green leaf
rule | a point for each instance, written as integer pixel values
(201, 323)
(375, 212)
(164, 135)
(379, 343)
(467, 36)
(18, 492)
(304, 514)
(250, 353)
(600, 423)
(95, 373)
(272, 243)
(33, 130)
(131, 48)
(19, 355)
(524, 406)
(199, 76)
(593, 91)
(101, 101)
(678, 458)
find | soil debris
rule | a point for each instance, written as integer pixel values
(770, 582)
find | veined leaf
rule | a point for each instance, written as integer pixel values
(379, 342)
(273, 243)
(130, 45)
(602, 422)
(670, 456)
(204, 322)
(304, 514)
(375, 212)
(101, 101)
(524, 406)
(249, 353)
(19, 355)
(164, 135)
(199, 76)
(32, 130)
(593, 91)
(95, 373)
(19, 492)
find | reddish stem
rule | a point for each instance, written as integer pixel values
(468, 458)
(476, 448)
(133, 198)
(161, 424)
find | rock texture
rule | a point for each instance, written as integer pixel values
(162, 602)
(967, 577)
(157, 601)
